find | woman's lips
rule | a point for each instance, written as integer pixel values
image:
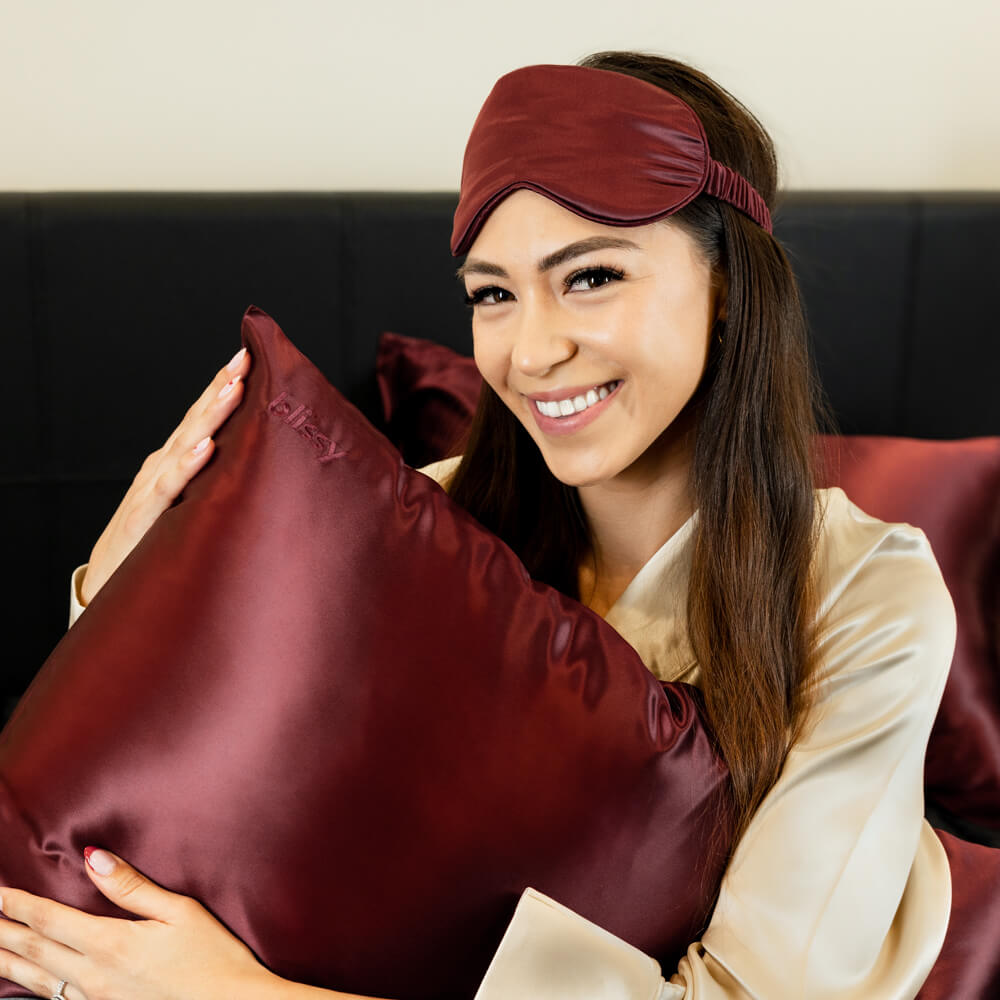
(559, 426)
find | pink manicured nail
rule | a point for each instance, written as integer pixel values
(200, 447)
(237, 358)
(100, 861)
(228, 387)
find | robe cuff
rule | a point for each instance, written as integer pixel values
(548, 952)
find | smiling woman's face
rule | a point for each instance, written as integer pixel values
(594, 336)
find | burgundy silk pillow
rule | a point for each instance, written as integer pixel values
(428, 394)
(968, 967)
(320, 698)
(950, 489)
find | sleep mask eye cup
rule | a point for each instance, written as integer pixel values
(605, 145)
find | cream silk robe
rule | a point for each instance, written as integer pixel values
(839, 887)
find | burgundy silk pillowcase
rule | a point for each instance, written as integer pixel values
(950, 489)
(323, 700)
(428, 395)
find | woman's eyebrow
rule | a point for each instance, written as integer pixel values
(474, 265)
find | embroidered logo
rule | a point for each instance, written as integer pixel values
(299, 418)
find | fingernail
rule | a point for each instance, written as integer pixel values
(237, 358)
(200, 447)
(228, 387)
(100, 861)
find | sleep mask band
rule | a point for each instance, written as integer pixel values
(605, 145)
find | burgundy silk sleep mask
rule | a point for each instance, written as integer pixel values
(605, 145)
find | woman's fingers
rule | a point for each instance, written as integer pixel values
(38, 923)
(211, 409)
(43, 938)
(34, 978)
(188, 449)
(203, 418)
(32, 949)
(165, 473)
(178, 950)
(130, 889)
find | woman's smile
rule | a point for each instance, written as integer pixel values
(565, 411)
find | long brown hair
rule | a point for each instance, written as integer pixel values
(751, 602)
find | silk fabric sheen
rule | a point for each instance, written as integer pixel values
(531, 959)
(839, 889)
(321, 699)
(424, 397)
(968, 967)
(605, 145)
(949, 489)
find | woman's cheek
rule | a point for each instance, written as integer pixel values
(490, 362)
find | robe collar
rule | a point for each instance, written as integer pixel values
(651, 613)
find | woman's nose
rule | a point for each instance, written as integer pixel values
(540, 343)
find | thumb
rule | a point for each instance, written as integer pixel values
(126, 887)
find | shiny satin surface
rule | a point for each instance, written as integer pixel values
(968, 967)
(603, 144)
(549, 951)
(949, 489)
(839, 889)
(427, 400)
(321, 699)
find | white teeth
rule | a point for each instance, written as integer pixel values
(567, 407)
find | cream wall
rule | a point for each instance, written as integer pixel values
(305, 94)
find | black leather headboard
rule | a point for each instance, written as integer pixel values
(116, 310)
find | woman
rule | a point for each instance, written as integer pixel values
(644, 445)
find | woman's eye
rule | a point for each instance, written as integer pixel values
(491, 295)
(594, 277)
(586, 280)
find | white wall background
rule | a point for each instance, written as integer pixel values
(373, 94)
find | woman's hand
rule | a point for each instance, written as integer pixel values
(179, 952)
(165, 473)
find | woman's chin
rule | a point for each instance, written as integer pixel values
(627, 467)
(580, 474)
